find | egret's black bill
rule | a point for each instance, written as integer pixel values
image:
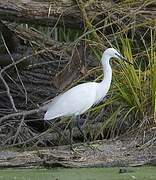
(127, 61)
(123, 58)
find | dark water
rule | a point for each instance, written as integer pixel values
(141, 173)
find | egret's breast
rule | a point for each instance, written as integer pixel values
(101, 92)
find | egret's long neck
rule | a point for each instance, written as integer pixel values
(107, 71)
(104, 85)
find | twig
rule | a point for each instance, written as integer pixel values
(21, 60)
(15, 67)
(18, 130)
(8, 92)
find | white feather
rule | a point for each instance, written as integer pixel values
(72, 101)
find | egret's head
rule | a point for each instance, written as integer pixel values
(111, 52)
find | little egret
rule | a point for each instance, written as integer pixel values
(80, 98)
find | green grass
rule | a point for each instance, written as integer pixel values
(142, 173)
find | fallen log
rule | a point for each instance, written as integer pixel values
(67, 12)
(106, 153)
(41, 12)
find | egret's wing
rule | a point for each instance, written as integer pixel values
(75, 101)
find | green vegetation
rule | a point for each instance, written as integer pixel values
(142, 173)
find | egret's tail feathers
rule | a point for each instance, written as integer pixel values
(50, 115)
(47, 116)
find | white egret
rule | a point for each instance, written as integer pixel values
(80, 98)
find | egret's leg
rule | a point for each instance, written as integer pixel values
(79, 127)
(71, 134)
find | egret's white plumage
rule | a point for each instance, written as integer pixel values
(80, 98)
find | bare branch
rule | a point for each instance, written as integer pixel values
(14, 66)
(8, 92)
(18, 130)
(22, 113)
